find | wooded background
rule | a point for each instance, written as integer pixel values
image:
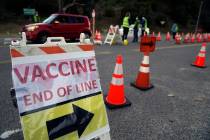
(184, 12)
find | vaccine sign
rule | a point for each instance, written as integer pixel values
(54, 88)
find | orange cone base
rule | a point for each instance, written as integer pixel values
(198, 66)
(142, 88)
(113, 106)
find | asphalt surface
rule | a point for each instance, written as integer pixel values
(177, 108)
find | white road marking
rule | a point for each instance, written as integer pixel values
(104, 52)
(8, 133)
(7, 41)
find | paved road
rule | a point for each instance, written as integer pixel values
(7, 41)
(153, 114)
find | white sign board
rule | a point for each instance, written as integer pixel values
(52, 88)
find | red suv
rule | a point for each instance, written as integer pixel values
(58, 25)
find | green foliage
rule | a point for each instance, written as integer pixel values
(184, 12)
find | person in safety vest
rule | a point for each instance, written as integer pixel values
(174, 30)
(136, 29)
(126, 25)
(143, 25)
(36, 17)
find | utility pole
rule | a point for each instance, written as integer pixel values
(60, 6)
(94, 21)
(196, 28)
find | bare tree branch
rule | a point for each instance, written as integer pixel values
(71, 5)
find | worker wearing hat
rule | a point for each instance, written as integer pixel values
(143, 25)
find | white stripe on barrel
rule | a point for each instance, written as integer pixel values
(117, 81)
(203, 48)
(118, 69)
(201, 54)
(144, 69)
(145, 60)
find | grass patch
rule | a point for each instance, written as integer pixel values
(9, 29)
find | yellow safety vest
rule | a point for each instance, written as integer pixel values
(126, 22)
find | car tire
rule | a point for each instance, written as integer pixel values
(42, 37)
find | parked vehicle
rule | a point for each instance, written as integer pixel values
(65, 25)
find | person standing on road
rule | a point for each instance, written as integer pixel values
(174, 29)
(136, 29)
(36, 17)
(143, 25)
(125, 25)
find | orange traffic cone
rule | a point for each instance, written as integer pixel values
(205, 37)
(168, 36)
(193, 38)
(178, 38)
(197, 35)
(186, 38)
(143, 78)
(99, 36)
(97, 39)
(201, 57)
(96, 34)
(182, 34)
(116, 96)
(208, 37)
(153, 34)
(199, 38)
(158, 37)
